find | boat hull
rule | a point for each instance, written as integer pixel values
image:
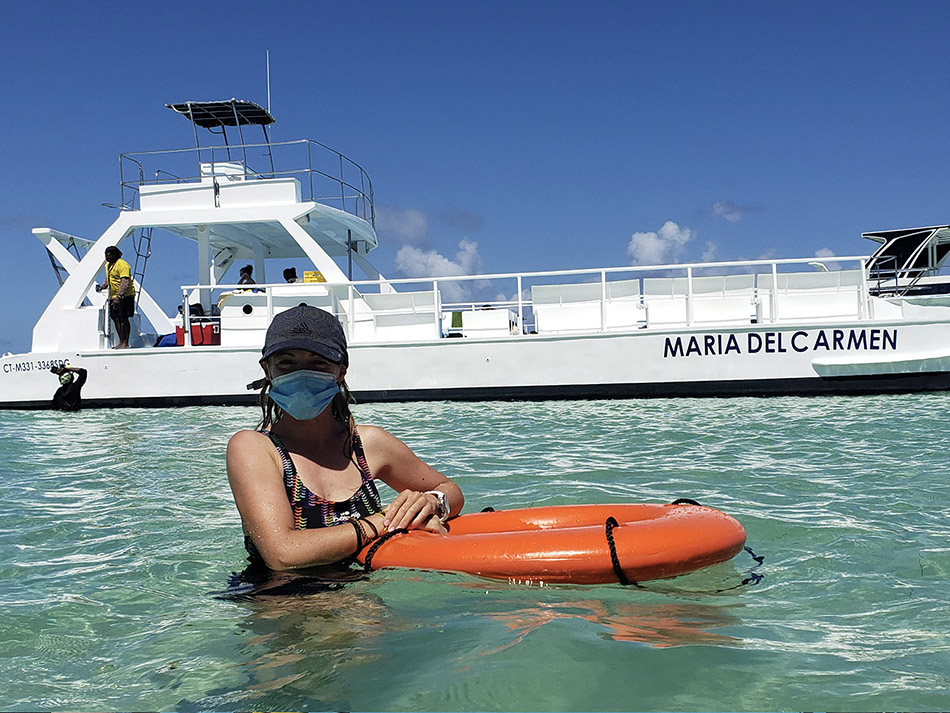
(795, 359)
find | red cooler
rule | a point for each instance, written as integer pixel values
(202, 334)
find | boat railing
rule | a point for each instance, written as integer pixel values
(324, 174)
(884, 274)
(714, 295)
(160, 172)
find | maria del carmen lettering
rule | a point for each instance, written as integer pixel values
(781, 342)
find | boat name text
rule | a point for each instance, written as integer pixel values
(18, 367)
(781, 342)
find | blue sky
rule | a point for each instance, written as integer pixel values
(500, 136)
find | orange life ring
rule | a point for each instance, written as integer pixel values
(569, 543)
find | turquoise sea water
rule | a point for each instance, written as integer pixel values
(117, 526)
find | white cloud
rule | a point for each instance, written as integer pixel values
(710, 252)
(732, 212)
(728, 210)
(409, 226)
(415, 262)
(660, 247)
(826, 253)
(513, 297)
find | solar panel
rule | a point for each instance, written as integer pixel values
(230, 112)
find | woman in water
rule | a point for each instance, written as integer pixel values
(303, 483)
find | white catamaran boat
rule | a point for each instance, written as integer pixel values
(844, 325)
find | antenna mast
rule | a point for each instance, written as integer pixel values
(268, 81)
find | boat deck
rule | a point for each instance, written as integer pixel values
(555, 303)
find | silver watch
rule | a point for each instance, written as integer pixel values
(442, 509)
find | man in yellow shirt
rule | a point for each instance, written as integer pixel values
(121, 294)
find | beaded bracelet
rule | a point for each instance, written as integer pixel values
(359, 535)
(370, 523)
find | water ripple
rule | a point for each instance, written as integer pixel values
(116, 525)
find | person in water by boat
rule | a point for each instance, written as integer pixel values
(304, 482)
(68, 396)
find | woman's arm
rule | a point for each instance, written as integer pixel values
(256, 478)
(393, 462)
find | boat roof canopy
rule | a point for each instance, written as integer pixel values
(910, 249)
(229, 112)
(883, 236)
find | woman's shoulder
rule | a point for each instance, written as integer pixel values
(250, 451)
(248, 439)
(371, 436)
(381, 444)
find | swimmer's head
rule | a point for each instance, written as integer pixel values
(309, 328)
(313, 330)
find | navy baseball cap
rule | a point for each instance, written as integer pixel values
(309, 328)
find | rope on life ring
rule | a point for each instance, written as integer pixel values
(753, 576)
(368, 563)
(609, 526)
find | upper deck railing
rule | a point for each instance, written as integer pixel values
(325, 175)
(518, 305)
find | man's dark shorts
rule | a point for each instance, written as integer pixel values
(124, 310)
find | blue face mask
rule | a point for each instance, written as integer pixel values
(304, 394)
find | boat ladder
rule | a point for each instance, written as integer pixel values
(143, 249)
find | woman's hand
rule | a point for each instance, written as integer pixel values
(434, 524)
(413, 510)
(395, 464)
